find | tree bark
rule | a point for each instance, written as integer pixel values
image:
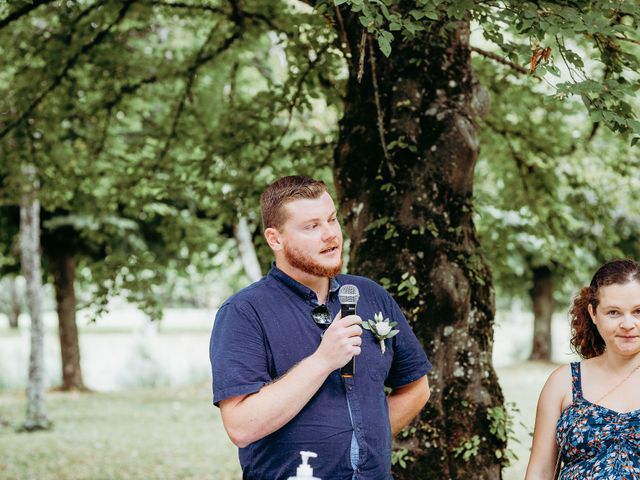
(247, 250)
(542, 300)
(30, 258)
(64, 269)
(404, 167)
(15, 304)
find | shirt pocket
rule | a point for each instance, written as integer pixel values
(378, 364)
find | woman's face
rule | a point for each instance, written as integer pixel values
(617, 317)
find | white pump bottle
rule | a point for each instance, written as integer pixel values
(304, 471)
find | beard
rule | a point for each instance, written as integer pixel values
(308, 265)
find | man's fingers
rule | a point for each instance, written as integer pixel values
(351, 320)
(355, 330)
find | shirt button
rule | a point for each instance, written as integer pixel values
(359, 429)
(349, 388)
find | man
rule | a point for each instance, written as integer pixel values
(276, 374)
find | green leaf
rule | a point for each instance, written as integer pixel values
(385, 46)
(392, 333)
(387, 35)
(431, 15)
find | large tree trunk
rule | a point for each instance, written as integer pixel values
(542, 299)
(64, 272)
(30, 260)
(404, 173)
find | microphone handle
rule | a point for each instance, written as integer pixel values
(350, 368)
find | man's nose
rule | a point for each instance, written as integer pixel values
(327, 231)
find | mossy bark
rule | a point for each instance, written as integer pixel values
(404, 174)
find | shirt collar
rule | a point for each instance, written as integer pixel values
(299, 289)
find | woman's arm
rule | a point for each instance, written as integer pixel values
(555, 394)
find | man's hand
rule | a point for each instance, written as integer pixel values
(248, 418)
(340, 342)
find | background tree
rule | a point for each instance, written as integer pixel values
(12, 300)
(36, 418)
(546, 195)
(11, 286)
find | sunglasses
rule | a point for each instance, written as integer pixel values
(321, 316)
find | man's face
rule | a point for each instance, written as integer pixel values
(311, 236)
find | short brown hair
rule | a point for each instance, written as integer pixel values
(284, 190)
(585, 339)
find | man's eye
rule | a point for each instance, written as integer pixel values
(311, 226)
(332, 220)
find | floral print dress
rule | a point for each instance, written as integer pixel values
(597, 442)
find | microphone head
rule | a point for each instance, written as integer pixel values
(348, 294)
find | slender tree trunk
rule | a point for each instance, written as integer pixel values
(404, 173)
(15, 304)
(30, 260)
(543, 306)
(64, 270)
(247, 250)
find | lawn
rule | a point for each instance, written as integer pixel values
(170, 433)
(145, 434)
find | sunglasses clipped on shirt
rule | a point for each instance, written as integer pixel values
(321, 316)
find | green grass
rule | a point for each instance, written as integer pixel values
(146, 434)
(173, 434)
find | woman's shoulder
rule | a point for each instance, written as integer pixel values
(557, 389)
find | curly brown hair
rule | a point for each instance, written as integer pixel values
(585, 338)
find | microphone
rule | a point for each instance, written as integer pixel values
(348, 296)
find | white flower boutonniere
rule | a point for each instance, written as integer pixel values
(381, 328)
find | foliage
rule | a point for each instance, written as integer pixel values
(400, 457)
(543, 36)
(468, 449)
(549, 193)
(143, 157)
(501, 425)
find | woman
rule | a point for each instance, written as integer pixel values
(588, 416)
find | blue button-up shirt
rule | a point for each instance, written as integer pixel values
(264, 330)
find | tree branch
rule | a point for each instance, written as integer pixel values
(346, 49)
(502, 60)
(57, 80)
(626, 39)
(293, 104)
(380, 116)
(21, 12)
(191, 75)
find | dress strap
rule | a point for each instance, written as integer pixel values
(576, 381)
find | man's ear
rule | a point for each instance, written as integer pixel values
(592, 314)
(272, 236)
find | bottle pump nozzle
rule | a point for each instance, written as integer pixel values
(304, 471)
